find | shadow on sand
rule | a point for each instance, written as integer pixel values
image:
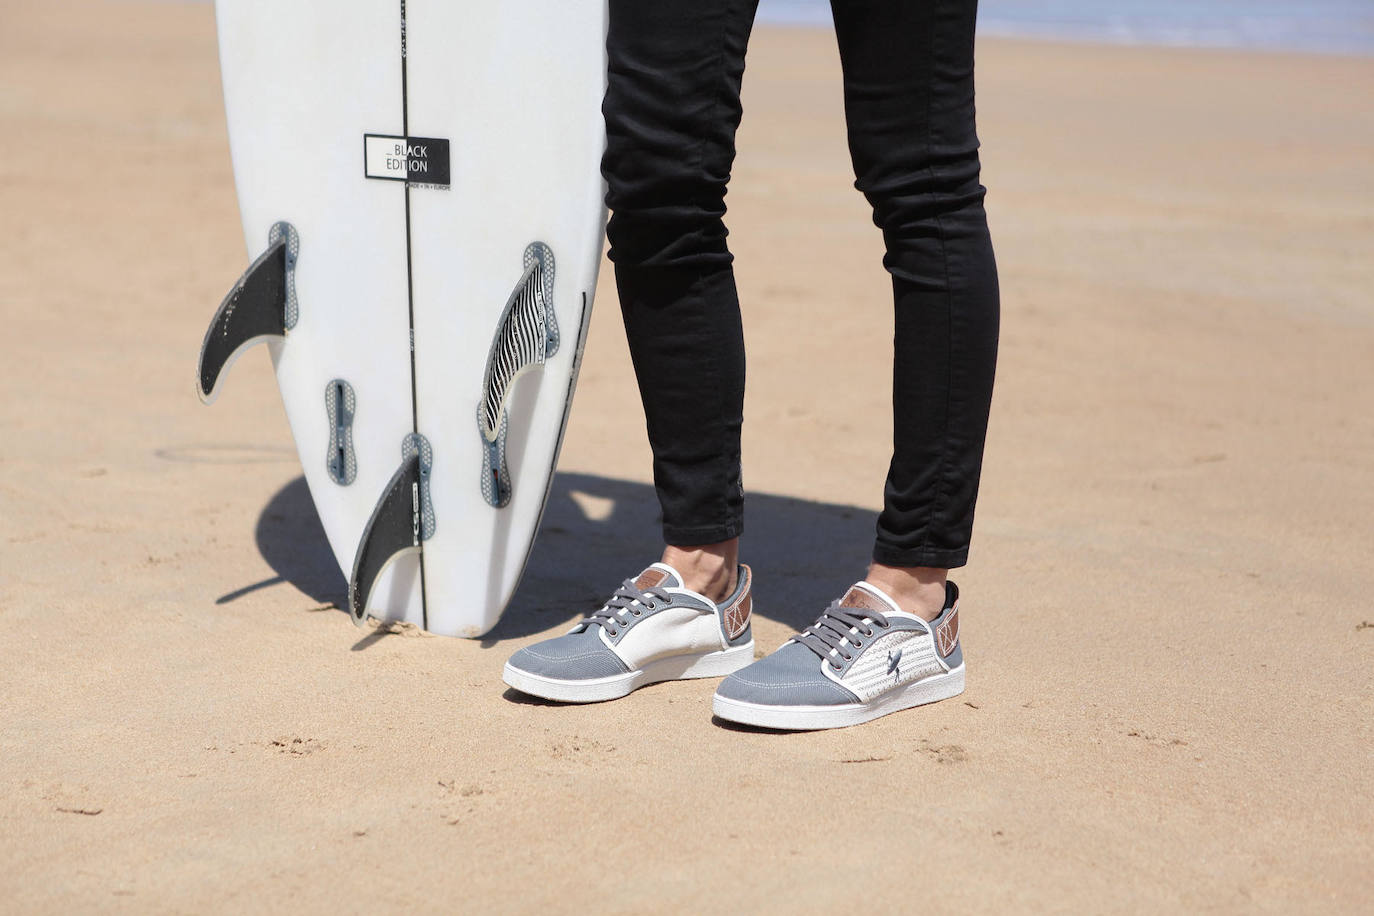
(597, 531)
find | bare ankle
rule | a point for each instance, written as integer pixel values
(708, 569)
(918, 590)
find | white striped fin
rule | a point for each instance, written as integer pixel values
(521, 343)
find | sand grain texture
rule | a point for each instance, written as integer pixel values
(1167, 618)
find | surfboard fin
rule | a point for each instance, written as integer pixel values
(526, 336)
(340, 403)
(261, 305)
(402, 520)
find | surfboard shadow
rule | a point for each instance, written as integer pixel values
(292, 541)
(596, 531)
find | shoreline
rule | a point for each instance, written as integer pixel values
(802, 15)
(1275, 27)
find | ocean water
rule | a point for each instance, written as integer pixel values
(1324, 26)
(1321, 26)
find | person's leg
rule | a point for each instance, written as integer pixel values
(909, 103)
(672, 107)
(891, 642)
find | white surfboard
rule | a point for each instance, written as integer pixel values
(429, 171)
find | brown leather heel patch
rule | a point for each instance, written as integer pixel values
(736, 614)
(947, 634)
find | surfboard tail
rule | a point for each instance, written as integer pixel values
(260, 306)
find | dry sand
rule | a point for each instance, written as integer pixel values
(1168, 616)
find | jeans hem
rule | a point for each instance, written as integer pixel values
(920, 556)
(698, 537)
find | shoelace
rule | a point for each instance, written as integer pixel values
(837, 623)
(628, 599)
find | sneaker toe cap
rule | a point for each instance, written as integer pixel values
(574, 656)
(790, 676)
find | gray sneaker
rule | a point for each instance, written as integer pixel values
(862, 659)
(653, 629)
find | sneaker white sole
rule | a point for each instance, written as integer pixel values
(805, 718)
(596, 690)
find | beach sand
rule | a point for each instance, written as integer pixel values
(1167, 616)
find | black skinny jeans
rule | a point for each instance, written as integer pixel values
(672, 107)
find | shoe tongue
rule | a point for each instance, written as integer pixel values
(869, 598)
(659, 575)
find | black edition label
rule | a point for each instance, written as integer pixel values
(421, 161)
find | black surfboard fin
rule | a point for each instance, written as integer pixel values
(261, 305)
(402, 520)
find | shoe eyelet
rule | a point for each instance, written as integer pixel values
(835, 666)
(614, 632)
(847, 657)
(868, 633)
